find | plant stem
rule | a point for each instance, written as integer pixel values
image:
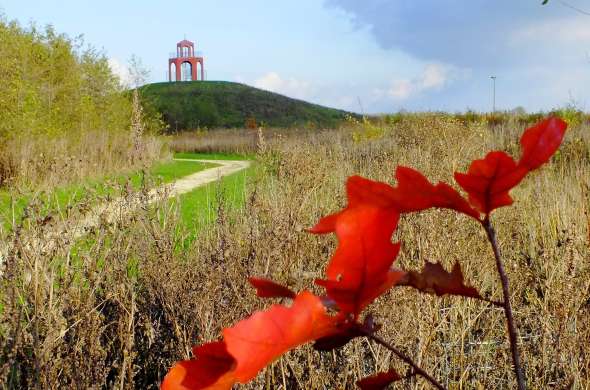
(406, 359)
(507, 307)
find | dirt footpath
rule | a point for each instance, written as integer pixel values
(112, 210)
(119, 207)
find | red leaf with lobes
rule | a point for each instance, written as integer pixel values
(434, 279)
(253, 343)
(260, 339)
(415, 193)
(268, 289)
(337, 340)
(347, 332)
(540, 142)
(379, 381)
(361, 191)
(489, 181)
(208, 370)
(359, 271)
(325, 225)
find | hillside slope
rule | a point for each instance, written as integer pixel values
(189, 105)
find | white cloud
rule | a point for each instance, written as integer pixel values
(120, 70)
(565, 31)
(291, 87)
(402, 89)
(434, 76)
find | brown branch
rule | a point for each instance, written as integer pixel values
(402, 356)
(491, 301)
(507, 307)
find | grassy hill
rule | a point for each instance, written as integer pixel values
(188, 105)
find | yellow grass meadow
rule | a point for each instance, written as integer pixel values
(120, 306)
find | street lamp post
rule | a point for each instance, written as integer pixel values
(493, 94)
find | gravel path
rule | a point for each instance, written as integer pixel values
(124, 205)
(119, 207)
(189, 183)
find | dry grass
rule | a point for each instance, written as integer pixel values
(119, 308)
(238, 141)
(48, 162)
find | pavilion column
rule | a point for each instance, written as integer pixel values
(193, 70)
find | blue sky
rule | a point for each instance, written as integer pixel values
(370, 55)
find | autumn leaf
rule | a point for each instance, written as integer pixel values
(260, 339)
(360, 271)
(347, 331)
(252, 344)
(434, 279)
(325, 225)
(338, 339)
(540, 142)
(415, 193)
(359, 191)
(488, 181)
(210, 369)
(379, 381)
(362, 191)
(268, 289)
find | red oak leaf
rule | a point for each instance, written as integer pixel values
(325, 225)
(361, 191)
(360, 271)
(338, 339)
(540, 142)
(347, 332)
(210, 369)
(434, 279)
(268, 289)
(252, 344)
(489, 181)
(379, 381)
(415, 193)
(260, 339)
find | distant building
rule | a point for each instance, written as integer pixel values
(183, 64)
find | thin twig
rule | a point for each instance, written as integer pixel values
(570, 6)
(507, 307)
(495, 303)
(406, 359)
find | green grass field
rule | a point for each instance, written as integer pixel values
(57, 200)
(200, 208)
(213, 156)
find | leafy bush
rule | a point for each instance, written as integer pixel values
(58, 99)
